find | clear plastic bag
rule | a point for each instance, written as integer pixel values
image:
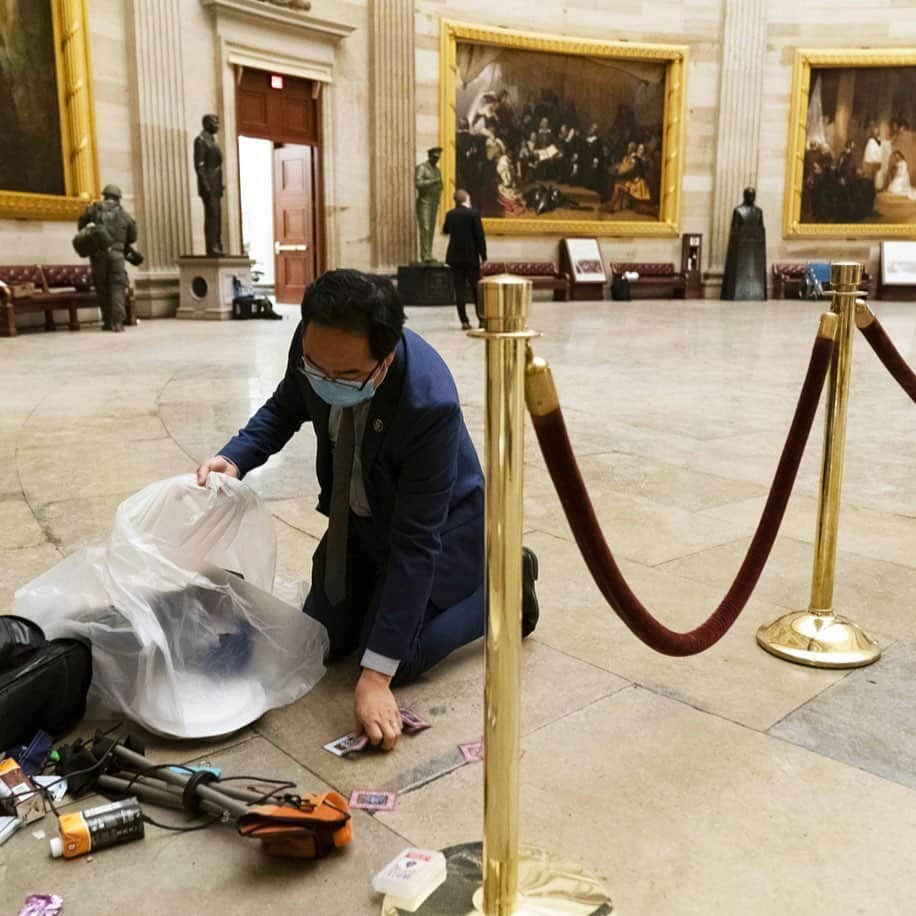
(186, 638)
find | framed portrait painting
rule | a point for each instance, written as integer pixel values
(558, 135)
(48, 158)
(851, 165)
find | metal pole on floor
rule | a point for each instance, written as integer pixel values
(498, 877)
(820, 637)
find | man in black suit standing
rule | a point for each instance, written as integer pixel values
(467, 249)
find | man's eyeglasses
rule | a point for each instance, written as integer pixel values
(313, 372)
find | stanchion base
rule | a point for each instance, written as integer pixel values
(819, 640)
(548, 885)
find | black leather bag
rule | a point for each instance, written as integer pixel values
(620, 288)
(43, 683)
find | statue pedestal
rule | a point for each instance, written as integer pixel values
(426, 284)
(206, 285)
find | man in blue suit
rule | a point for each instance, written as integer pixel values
(399, 575)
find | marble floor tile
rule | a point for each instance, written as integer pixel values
(638, 528)
(69, 430)
(673, 791)
(685, 814)
(18, 567)
(9, 475)
(300, 513)
(18, 525)
(868, 720)
(210, 871)
(82, 522)
(97, 469)
(879, 596)
(450, 698)
(866, 532)
(734, 679)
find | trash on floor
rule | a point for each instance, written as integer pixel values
(186, 638)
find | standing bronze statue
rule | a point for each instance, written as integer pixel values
(428, 182)
(745, 274)
(208, 163)
(107, 234)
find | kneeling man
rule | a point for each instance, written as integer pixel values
(399, 575)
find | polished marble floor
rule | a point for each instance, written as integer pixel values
(728, 783)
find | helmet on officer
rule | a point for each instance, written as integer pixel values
(111, 192)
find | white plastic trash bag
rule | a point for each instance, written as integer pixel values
(186, 637)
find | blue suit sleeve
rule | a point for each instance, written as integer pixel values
(274, 424)
(423, 494)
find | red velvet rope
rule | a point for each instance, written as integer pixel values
(561, 462)
(889, 355)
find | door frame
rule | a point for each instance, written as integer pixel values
(319, 158)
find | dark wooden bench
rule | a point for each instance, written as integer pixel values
(58, 287)
(542, 274)
(654, 281)
(789, 281)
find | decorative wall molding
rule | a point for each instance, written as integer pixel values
(280, 14)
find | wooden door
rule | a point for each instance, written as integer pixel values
(294, 221)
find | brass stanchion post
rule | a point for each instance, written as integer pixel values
(498, 877)
(820, 637)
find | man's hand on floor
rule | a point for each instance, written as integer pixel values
(377, 710)
(216, 463)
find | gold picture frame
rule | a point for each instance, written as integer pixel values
(79, 155)
(823, 62)
(673, 57)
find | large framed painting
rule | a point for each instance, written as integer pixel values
(560, 135)
(48, 157)
(851, 165)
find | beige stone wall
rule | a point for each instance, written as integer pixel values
(348, 184)
(695, 23)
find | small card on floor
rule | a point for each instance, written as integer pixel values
(348, 744)
(411, 722)
(367, 800)
(473, 752)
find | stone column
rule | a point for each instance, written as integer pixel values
(393, 132)
(163, 217)
(740, 106)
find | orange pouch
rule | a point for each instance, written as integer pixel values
(319, 824)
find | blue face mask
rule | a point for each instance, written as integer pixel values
(338, 395)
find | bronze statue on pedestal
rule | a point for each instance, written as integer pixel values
(428, 182)
(208, 163)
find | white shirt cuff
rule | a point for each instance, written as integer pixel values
(380, 663)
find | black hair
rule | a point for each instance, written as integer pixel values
(350, 300)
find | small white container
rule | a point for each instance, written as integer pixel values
(410, 878)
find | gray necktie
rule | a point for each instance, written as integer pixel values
(335, 564)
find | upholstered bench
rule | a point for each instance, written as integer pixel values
(56, 287)
(542, 274)
(654, 281)
(789, 281)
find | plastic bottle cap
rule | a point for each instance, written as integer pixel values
(57, 847)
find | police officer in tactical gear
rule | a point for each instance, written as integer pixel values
(108, 271)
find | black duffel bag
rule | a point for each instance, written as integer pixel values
(43, 683)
